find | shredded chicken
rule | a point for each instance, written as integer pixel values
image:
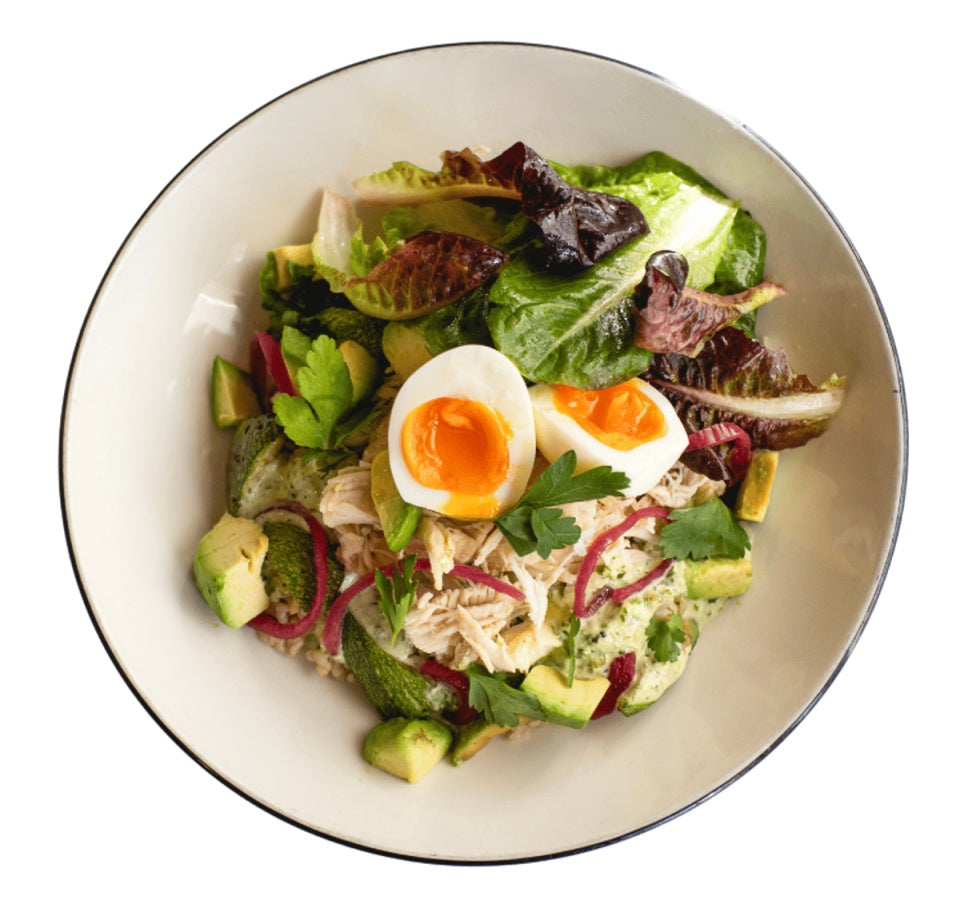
(460, 624)
(346, 498)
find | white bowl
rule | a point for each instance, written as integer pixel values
(142, 465)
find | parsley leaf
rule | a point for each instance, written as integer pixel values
(326, 391)
(537, 523)
(396, 593)
(706, 531)
(558, 485)
(570, 647)
(665, 636)
(500, 703)
(553, 530)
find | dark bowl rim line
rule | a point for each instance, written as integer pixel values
(509, 861)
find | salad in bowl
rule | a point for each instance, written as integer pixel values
(503, 443)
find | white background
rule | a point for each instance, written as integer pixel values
(853, 816)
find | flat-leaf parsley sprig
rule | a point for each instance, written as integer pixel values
(708, 530)
(537, 523)
(493, 695)
(396, 593)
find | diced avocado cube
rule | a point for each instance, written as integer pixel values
(227, 566)
(363, 368)
(405, 348)
(474, 736)
(753, 498)
(407, 748)
(566, 705)
(718, 577)
(398, 519)
(232, 397)
(287, 254)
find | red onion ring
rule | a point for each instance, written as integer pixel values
(333, 627)
(268, 624)
(724, 432)
(596, 549)
(621, 674)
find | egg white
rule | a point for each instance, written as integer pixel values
(476, 373)
(644, 465)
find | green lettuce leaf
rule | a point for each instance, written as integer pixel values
(417, 276)
(459, 216)
(578, 329)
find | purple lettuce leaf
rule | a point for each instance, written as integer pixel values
(427, 271)
(579, 226)
(737, 379)
(673, 318)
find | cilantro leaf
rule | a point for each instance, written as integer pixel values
(665, 635)
(396, 593)
(537, 523)
(326, 391)
(706, 531)
(570, 647)
(500, 703)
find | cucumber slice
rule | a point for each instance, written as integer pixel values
(394, 688)
(256, 442)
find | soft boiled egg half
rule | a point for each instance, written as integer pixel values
(461, 437)
(631, 427)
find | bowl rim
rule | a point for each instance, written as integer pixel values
(442, 861)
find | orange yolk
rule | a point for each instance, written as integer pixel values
(460, 446)
(621, 417)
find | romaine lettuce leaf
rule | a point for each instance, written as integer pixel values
(578, 329)
(464, 321)
(483, 222)
(463, 174)
(418, 275)
(579, 226)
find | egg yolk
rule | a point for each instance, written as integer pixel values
(460, 446)
(621, 417)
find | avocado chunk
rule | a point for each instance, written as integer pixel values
(257, 441)
(398, 519)
(407, 748)
(405, 348)
(394, 688)
(232, 397)
(718, 577)
(753, 498)
(227, 567)
(476, 735)
(301, 254)
(566, 705)
(363, 368)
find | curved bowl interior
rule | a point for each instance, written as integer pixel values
(143, 465)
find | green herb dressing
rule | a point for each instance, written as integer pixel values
(617, 629)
